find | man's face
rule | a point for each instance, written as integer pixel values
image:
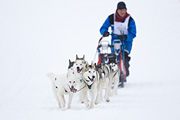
(121, 12)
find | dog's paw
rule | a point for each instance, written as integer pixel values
(96, 103)
(87, 105)
(68, 107)
(107, 100)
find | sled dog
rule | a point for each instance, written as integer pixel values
(78, 67)
(62, 85)
(114, 77)
(90, 80)
(104, 82)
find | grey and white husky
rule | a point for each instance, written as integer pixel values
(91, 80)
(104, 82)
(114, 77)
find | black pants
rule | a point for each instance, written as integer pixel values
(126, 62)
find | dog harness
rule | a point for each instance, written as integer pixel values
(89, 86)
(121, 28)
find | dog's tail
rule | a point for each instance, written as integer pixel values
(50, 75)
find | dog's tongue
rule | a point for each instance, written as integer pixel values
(92, 80)
(73, 89)
(78, 70)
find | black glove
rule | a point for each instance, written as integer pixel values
(105, 34)
(122, 37)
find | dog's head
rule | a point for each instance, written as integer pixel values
(113, 66)
(72, 82)
(90, 73)
(79, 64)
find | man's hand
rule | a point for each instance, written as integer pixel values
(105, 34)
(122, 37)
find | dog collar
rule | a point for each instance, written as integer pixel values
(81, 79)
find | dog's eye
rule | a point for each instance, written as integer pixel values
(80, 64)
(73, 81)
(69, 81)
(73, 73)
(55, 78)
(89, 71)
(93, 71)
(76, 64)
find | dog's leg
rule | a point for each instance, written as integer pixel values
(70, 100)
(61, 100)
(116, 80)
(64, 100)
(92, 93)
(99, 92)
(56, 96)
(108, 84)
(84, 93)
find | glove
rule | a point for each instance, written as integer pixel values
(122, 37)
(105, 34)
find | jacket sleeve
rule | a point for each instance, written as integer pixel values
(105, 26)
(131, 31)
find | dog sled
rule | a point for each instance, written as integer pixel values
(106, 56)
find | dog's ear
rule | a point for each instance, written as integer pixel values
(95, 65)
(83, 57)
(86, 65)
(92, 64)
(77, 57)
(69, 62)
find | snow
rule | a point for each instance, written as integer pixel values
(40, 36)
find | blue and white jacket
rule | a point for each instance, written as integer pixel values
(131, 31)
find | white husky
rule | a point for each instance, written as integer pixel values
(63, 84)
(91, 80)
(78, 67)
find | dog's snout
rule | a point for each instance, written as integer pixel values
(77, 67)
(72, 86)
(93, 76)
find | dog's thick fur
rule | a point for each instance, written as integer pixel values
(63, 84)
(91, 80)
(78, 67)
(114, 77)
(104, 82)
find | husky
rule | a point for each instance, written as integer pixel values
(91, 80)
(62, 85)
(104, 82)
(78, 67)
(114, 77)
(79, 64)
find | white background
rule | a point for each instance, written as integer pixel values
(40, 36)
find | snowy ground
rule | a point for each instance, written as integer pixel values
(39, 36)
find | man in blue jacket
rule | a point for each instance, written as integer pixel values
(123, 25)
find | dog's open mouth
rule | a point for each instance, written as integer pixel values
(79, 70)
(92, 80)
(73, 89)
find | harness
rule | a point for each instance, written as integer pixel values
(89, 86)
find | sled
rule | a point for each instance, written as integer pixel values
(105, 55)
